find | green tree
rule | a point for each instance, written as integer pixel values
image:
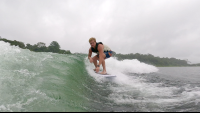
(54, 47)
(29, 46)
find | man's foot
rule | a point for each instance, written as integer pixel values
(103, 73)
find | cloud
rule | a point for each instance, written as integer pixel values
(160, 27)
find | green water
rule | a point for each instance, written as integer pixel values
(43, 81)
(50, 82)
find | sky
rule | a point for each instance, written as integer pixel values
(163, 28)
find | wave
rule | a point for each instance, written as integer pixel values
(42, 81)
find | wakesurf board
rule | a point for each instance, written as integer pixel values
(105, 75)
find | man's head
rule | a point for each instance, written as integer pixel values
(92, 42)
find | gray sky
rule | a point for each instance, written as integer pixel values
(164, 28)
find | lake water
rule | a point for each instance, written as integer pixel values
(41, 82)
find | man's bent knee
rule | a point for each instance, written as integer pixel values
(95, 58)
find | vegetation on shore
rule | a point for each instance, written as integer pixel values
(149, 59)
(39, 47)
(156, 61)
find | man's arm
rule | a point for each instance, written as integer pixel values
(89, 55)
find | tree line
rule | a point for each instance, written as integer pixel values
(156, 61)
(146, 58)
(39, 47)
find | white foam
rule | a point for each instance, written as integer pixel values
(154, 93)
(119, 68)
(6, 48)
(130, 66)
(135, 89)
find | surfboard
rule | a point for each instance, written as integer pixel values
(105, 75)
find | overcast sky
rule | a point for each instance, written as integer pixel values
(164, 28)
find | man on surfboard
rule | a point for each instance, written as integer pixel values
(103, 52)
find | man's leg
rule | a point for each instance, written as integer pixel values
(95, 58)
(104, 65)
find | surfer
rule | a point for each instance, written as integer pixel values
(103, 52)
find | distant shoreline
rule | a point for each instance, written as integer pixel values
(146, 58)
(39, 47)
(156, 61)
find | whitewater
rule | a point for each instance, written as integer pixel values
(51, 82)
